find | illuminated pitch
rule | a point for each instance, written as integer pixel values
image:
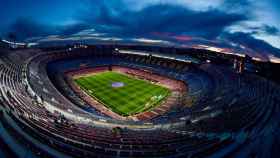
(123, 94)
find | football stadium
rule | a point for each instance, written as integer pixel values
(97, 91)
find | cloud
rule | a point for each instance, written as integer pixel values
(117, 19)
(145, 40)
(24, 28)
(249, 41)
(271, 30)
(263, 29)
(161, 21)
(161, 18)
(27, 28)
(72, 28)
(240, 5)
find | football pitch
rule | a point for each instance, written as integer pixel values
(121, 93)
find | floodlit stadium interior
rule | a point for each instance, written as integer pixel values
(141, 80)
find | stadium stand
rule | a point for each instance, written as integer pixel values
(223, 113)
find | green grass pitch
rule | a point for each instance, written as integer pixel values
(135, 96)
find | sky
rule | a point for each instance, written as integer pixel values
(250, 26)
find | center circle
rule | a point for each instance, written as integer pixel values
(117, 84)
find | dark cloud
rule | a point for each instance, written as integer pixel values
(264, 29)
(162, 18)
(119, 20)
(163, 21)
(271, 30)
(72, 29)
(25, 27)
(249, 41)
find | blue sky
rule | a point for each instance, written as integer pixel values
(249, 24)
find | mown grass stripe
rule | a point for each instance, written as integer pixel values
(127, 100)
